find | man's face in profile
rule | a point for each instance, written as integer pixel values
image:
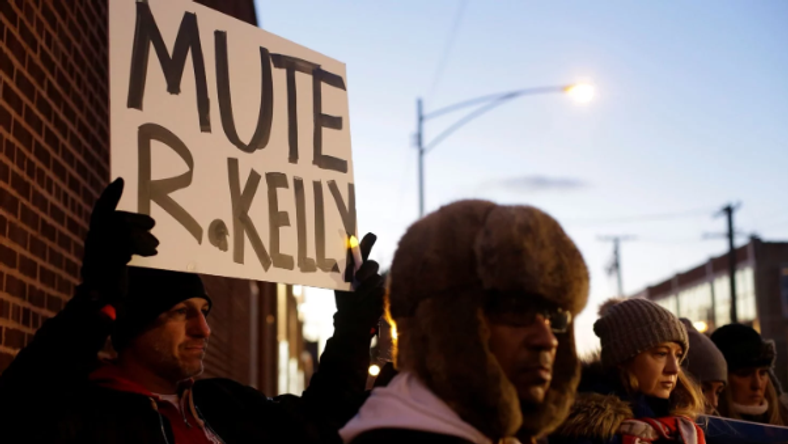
(523, 342)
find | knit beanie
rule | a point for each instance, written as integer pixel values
(151, 292)
(743, 347)
(631, 326)
(704, 360)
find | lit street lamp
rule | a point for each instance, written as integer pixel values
(580, 92)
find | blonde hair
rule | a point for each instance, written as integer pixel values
(685, 400)
(775, 413)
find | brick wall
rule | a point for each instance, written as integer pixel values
(54, 138)
(770, 258)
(54, 162)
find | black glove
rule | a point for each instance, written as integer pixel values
(114, 236)
(362, 308)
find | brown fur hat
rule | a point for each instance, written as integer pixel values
(444, 264)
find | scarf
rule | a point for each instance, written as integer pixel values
(673, 428)
(751, 410)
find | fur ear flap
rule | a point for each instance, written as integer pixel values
(605, 306)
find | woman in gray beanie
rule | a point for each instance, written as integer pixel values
(637, 390)
(707, 365)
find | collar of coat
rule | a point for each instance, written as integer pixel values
(111, 376)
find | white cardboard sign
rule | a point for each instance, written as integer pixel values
(235, 140)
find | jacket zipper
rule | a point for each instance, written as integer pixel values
(208, 425)
(163, 432)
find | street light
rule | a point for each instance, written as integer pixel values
(580, 92)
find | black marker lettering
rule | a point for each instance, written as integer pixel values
(321, 120)
(241, 221)
(158, 190)
(291, 65)
(325, 264)
(263, 130)
(305, 263)
(147, 33)
(277, 219)
(217, 234)
(347, 212)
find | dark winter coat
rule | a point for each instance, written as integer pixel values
(595, 418)
(400, 436)
(47, 397)
(600, 409)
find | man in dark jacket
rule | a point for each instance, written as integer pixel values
(56, 390)
(483, 296)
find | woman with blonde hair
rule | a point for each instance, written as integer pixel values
(636, 391)
(751, 394)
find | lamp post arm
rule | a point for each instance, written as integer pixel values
(460, 123)
(492, 97)
(493, 100)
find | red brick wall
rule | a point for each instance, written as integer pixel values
(54, 161)
(54, 138)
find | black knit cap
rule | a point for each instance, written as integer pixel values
(151, 292)
(743, 347)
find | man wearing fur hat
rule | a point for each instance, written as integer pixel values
(483, 297)
(56, 391)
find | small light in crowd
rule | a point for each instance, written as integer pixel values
(352, 242)
(393, 330)
(374, 370)
(700, 326)
(581, 92)
(297, 290)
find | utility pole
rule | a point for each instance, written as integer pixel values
(728, 212)
(420, 146)
(616, 265)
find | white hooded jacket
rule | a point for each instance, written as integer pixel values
(406, 403)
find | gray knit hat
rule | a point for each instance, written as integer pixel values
(704, 361)
(631, 326)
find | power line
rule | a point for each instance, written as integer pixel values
(447, 49)
(670, 240)
(642, 218)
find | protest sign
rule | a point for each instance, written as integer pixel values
(730, 431)
(235, 140)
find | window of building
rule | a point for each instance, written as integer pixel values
(745, 297)
(722, 300)
(694, 303)
(669, 303)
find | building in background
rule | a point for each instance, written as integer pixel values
(703, 294)
(54, 163)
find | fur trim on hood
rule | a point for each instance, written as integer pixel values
(443, 267)
(595, 415)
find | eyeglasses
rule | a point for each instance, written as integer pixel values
(522, 311)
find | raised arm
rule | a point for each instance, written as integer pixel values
(65, 348)
(337, 390)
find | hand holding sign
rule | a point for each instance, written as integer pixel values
(113, 238)
(363, 307)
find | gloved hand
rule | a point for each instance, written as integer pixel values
(362, 308)
(114, 236)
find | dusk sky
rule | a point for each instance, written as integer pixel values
(691, 113)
